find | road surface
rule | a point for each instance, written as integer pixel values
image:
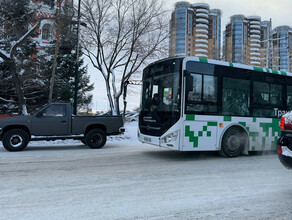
(130, 180)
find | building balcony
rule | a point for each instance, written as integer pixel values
(255, 36)
(201, 50)
(202, 26)
(255, 26)
(202, 36)
(255, 63)
(202, 31)
(255, 40)
(202, 45)
(201, 41)
(202, 20)
(255, 31)
(201, 55)
(201, 10)
(255, 58)
(202, 15)
(255, 22)
(201, 5)
(255, 54)
(255, 45)
(255, 49)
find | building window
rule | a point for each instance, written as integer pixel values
(46, 32)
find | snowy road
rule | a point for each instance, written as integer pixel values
(128, 180)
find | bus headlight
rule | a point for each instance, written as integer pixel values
(170, 137)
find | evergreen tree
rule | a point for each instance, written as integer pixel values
(7, 91)
(29, 69)
(65, 80)
(18, 49)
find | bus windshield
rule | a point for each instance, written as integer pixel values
(160, 93)
(160, 107)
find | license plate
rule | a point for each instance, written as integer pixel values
(147, 139)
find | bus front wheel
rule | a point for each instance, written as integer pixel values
(233, 142)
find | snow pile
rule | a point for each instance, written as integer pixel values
(129, 135)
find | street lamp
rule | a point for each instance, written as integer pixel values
(76, 63)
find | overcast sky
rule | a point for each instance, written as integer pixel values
(280, 11)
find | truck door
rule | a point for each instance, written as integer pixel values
(51, 121)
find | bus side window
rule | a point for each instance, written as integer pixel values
(275, 94)
(235, 97)
(265, 93)
(289, 97)
(261, 93)
(210, 88)
(196, 93)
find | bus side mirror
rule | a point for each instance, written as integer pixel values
(189, 81)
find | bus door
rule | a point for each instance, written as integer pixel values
(199, 134)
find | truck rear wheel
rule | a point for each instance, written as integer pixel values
(15, 140)
(96, 138)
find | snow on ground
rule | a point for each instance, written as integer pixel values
(128, 180)
(129, 135)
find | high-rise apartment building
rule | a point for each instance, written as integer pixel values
(195, 30)
(281, 48)
(245, 40)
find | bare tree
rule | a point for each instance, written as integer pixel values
(121, 37)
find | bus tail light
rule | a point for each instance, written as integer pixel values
(282, 123)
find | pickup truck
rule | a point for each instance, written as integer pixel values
(284, 144)
(55, 121)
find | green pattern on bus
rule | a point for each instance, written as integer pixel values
(264, 129)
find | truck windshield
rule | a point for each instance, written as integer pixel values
(160, 107)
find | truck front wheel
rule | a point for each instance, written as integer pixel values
(15, 140)
(95, 138)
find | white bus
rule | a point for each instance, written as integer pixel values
(196, 104)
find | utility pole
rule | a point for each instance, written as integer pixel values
(270, 50)
(77, 60)
(52, 81)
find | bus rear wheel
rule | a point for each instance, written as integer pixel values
(233, 142)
